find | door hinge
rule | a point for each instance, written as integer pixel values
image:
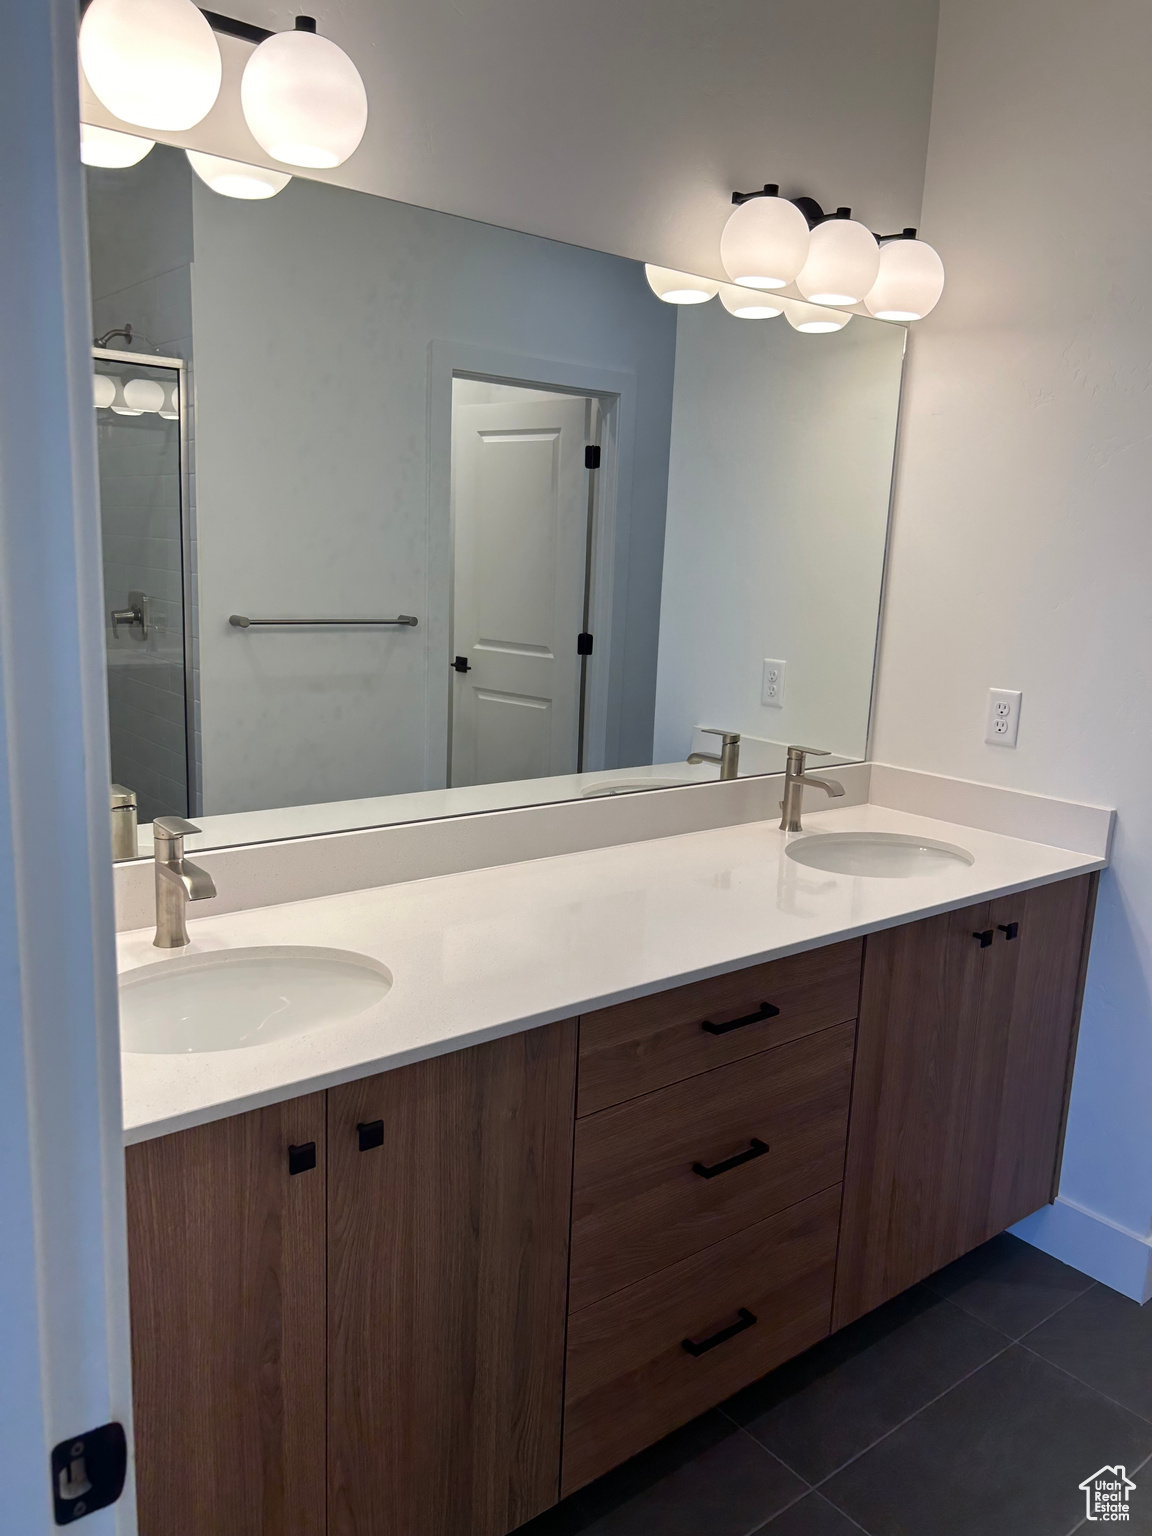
(592, 456)
(88, 1472)
(584, 644)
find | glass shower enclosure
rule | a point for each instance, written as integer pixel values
(142, 444)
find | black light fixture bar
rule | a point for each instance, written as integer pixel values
(231, 26)
(812, 210)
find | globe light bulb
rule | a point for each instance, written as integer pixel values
(103, 391)
(170, 410)
(144, 395)
(120, 406)
(680, 287)
(153, 63)
(303, 98)
(811, 320)
(233, 178)
(747, 303)
(764, 243)
(909, 283)
(107, 147)
(843, 260)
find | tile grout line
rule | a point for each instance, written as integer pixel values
(1071, 1375)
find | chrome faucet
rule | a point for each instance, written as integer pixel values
(728, 756)
(795, 782)
(178, 881)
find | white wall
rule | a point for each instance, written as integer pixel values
(1022, 544)
(315, 316)
(623, 127)
(778, 492)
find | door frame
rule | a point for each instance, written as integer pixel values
(616, 391)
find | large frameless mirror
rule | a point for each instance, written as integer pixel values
(435, 517)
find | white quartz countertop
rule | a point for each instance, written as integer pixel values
(492, 951)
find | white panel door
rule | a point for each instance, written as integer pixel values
(520, 505)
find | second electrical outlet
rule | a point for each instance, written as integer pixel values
(772, 688)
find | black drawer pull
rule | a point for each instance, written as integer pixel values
(701, 1347)
(371, 1134)
(1009, 930)
(757, 1149)
(765, 1011)
(985, 937)
(301, 1158)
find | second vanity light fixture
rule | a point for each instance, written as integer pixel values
(156, 64)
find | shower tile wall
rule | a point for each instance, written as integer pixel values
(140, 500)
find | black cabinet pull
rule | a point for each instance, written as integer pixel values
(371, 1134)
(301, 1158)
(757, 1149)
(765, 1011)
(985, 937)
(1009, 930)
(697, 1347)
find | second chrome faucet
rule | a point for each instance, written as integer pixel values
(795, 783)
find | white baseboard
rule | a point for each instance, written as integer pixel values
(1108, 1252)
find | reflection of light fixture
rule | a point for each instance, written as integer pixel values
(765, 241)
(170, 410)
(120, 406)
(746, 303)
(142, 395)
(233, 178)
(154, 63)
(843, 260)
(813, 320)
(910, 281)
(104, 146)
(103, 391)
(303, 98)
(680, 287)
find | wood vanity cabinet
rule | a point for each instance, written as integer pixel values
(432, 1302)
(963, 1062)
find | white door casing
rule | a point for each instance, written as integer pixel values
(520, 521)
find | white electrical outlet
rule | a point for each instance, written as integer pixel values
(772, 688)
(1003, 717)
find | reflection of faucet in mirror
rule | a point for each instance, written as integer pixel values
(124, 839)
(728, 756)
(178, 881)
(795, 782)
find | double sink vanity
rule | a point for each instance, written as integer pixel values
(445, 1197)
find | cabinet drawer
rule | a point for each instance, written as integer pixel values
(659, 1178)
(635, 1047)
(630, 1378)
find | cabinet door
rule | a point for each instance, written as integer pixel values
(226, 1266)
(448, 1255)
(962, 1063)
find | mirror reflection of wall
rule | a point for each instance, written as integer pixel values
(392, 412)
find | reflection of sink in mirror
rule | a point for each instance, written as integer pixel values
(244, 997)
(886, 855)
(633, 786)
(615, 507)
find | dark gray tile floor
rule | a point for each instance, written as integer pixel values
(972, 1405)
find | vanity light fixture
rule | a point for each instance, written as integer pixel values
(680, 287)
(233, 178)
(303, 98)
(843, 261)
(812, 320)
(748, 303)
(107, 147)
(103, 391)
(765, 242)
(910, 280)
(153, 63)
(144, 396)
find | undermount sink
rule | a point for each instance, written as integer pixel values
(243, 997)
(887, 855)
(633, 786)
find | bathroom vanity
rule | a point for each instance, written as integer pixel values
(434, 1299)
